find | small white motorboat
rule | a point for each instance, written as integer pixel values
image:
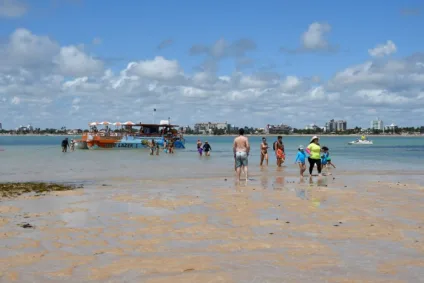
(362, 141)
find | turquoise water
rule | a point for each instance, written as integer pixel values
(40, 158)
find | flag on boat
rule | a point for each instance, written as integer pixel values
(154, 109)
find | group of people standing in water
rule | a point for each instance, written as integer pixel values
(168, 147)
(316, 155)
(203, 148)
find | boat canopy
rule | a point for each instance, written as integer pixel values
(156, 125)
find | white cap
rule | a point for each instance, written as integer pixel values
(314, 137)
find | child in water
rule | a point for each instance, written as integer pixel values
(325, 158)
(300, 159)
(199, 147)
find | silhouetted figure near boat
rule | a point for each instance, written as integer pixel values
(165, 146)
(171, 146)
(65, 145)
(72, 145)
(152, 147)
(157, 148)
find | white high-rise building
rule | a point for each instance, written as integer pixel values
(377, 125)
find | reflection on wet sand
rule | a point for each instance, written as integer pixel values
(271, 227)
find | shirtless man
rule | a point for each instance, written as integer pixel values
(279, 151)
(264, 151)
(241, 149)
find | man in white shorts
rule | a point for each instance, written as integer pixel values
(241, 149)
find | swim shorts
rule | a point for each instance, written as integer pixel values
(241, 159)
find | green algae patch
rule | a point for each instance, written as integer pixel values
(10, 190)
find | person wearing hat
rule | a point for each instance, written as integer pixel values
(301, 160)
(199, 147)
(207, 148)
(314, 151)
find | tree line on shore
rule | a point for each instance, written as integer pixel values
(234, 131)
(295, 131)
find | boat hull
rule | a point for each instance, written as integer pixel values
(360, 143)
(81, 145)
(128, 142)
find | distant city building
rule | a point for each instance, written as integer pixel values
(422, 130)
(377, 125)
(207, 128)
(312, 127)
(391, 127)
(1, 127)
(341, 126)
(276, 129)
(28, 128)
(335, 126)
(331, 126)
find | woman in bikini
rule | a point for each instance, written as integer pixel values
(264, 151)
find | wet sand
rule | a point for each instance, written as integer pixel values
(354, 228)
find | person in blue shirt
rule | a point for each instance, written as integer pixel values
(325, 158)
(300, 159)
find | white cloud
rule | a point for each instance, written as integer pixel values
(383, 49)
(27, 49)
(41, 81)
(252, 82)
(12, 8)
(15, 100)
(290, 83)
(72, 61)
(314, 37)
(157, 69)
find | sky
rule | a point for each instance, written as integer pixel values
(250, 63)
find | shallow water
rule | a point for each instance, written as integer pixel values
(40, 158)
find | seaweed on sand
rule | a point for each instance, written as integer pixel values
(9, 190)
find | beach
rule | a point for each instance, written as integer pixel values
(182, 218)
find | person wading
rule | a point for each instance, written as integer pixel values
(241, 149)
(65, 145)
(314, 151)
(279, 150)
(264, 151)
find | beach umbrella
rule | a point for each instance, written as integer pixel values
(105, 123)
(129, 123)
(117, 124)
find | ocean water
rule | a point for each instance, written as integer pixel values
(39, 158)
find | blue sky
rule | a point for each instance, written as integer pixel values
(119, 32)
